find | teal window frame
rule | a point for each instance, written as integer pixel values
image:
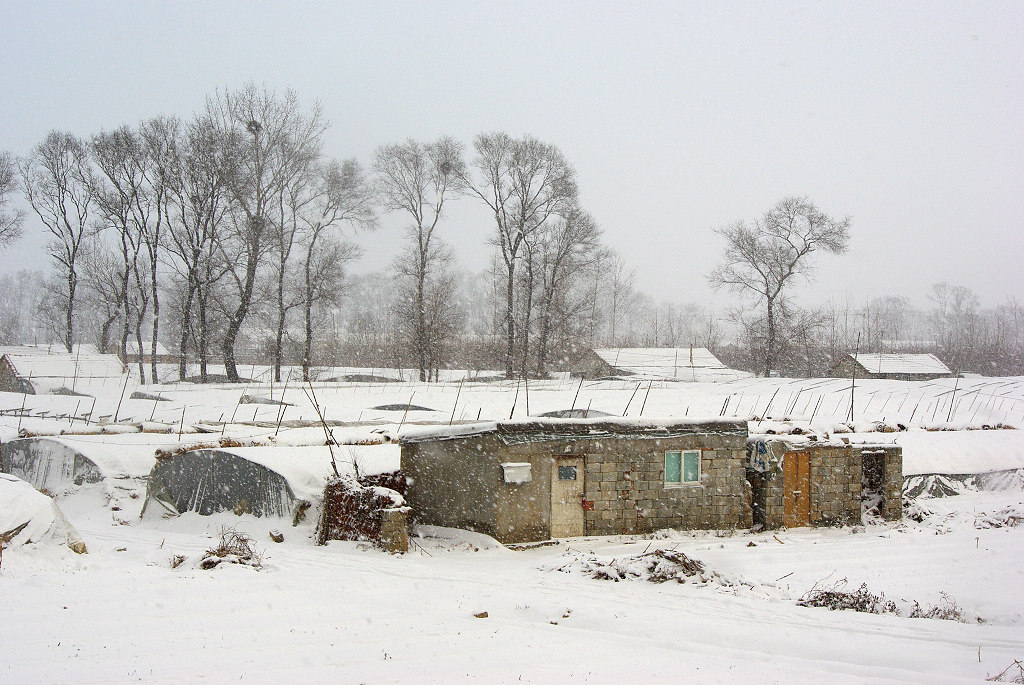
(685, 471)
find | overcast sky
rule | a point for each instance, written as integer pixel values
(679, 117)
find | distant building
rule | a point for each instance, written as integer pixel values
(163, 355)
(35, 369)
(891, 366)
(660, 363)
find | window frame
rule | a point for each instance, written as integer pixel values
(682, 482)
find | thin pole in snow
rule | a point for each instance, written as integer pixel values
(956, 383)
(459, 392)
(515, 399)
(526, 385)
(631, 398)
(853, 375)
(408, 404)
(644, 404)
(181, 425)
(123, 388)
(24, 396)
(578, 388)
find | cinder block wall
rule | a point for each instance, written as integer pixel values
(627, 486)
(836, 475)
(835, 479)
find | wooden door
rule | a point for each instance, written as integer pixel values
(567, 497)
(796, 499)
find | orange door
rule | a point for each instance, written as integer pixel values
(796, 500)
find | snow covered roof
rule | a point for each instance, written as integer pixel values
(900, 363)
(133, 348)
(955, 452)
(53, 362)
(542, 429)
(682, 363)
(307, 468)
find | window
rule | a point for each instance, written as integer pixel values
(682, 467)
(566, 473)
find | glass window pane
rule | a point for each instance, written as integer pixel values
(566, 473)
(673, 467)
(691, 467)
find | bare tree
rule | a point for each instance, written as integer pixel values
(199, 206)
(10, 218)
(119, 189)
(340, 195)
(56, 180)
(417, 179)
(524, 183)
(566, 248)
(763, 259)
(265, 136)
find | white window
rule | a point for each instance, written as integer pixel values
(682, 467)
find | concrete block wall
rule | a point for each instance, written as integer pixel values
(629, 495)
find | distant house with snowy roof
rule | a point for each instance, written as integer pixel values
(696, 364)
(163, 355)
(34, 369)
(891, 366)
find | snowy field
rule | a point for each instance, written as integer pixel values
(349, 613)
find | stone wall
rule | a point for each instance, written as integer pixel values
(629, 494)
(836, 479)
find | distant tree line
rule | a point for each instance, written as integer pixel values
(227, 237)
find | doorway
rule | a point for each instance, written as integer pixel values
(567, 497)
(796, 498)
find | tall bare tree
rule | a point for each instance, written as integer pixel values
(565, 248)
(525, 183)
(340, 195)
(762, 259)
(199, 203)
(417, 179)
(10, 217)
(265, 134)
(56, 180)
(119, 187)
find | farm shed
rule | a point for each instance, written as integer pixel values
(695, 364)
(263, 481)
(39, 369)
(797, 481)
(524, 481)
(891, 366)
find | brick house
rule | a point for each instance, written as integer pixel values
(524, 481)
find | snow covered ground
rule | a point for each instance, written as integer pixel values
(350, 613)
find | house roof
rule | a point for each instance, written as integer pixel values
(51, 362)
(900, 363)
(682, 363)
(132, 347)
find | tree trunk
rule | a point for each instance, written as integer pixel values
(203, 347)
(769, 351)
(186, 311)
(69, 323)
(510, 321)
(154, 376)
